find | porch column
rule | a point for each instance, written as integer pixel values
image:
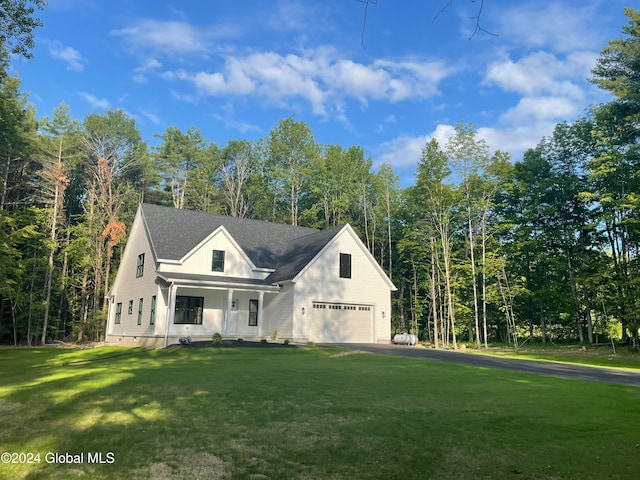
(171, 308)
(227, 319)
(260, 300)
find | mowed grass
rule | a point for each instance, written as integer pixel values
(306, 413)
(603, 355)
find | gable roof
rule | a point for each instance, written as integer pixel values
(284, 248)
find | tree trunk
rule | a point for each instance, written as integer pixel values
(434, 303)
(447, 273)
(474, 281)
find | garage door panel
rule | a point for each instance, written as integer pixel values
(341, 323)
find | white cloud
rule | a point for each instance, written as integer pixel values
(174, 37)
(531, 109)
(317, 77)
(555, 25)
(94, 101)
(67, 54)
(541, 72)
(150, 65)
(406, 150)
(151, 116)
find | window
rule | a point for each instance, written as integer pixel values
(130, 310)
(152, 316)
(189, 310)
(118, 313)
(140, 303)
(345, 265)
(140, 267)
(217, 261)
(253, 313)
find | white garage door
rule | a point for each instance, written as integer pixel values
(341, 323)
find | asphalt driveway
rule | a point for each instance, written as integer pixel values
(594, 374)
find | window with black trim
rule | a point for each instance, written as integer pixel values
(118, 313)
(188, 310)
(152, 315)
(140, 303)
(253, 313)
(140, 266)
(345, 265)
(217, 261)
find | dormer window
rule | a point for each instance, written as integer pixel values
(345, 265)
(140, 266)
(217, 261)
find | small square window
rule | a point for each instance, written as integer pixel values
(140, 266)
(217, 261)
(345, 265)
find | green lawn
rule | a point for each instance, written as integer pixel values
(602, 356)
(308, 413)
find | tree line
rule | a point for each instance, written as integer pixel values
(482, 247)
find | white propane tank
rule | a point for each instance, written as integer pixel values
(405, 339)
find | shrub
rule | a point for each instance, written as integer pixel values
(286, 342)
(264, 340)
(240, 340)
(217, 339)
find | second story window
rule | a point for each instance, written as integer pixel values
(345, 265)
(140, 267)
(217, 261)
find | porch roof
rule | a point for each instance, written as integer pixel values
(213, 281)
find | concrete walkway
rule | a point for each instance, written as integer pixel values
(593, 374)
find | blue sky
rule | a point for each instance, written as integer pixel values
(234, 68)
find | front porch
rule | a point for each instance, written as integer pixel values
(198, 308)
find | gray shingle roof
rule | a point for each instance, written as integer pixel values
(285, 248)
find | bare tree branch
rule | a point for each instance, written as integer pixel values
(447, 5)
(364, 17)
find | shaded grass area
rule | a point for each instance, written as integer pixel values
(307, 413)
(602, 355)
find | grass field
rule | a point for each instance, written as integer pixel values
(602, 356)
(304, 413)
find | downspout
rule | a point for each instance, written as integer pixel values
(170, 306)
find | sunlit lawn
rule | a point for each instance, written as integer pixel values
(603, 355)
(306, 413)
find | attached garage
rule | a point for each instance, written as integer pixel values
(341, 323)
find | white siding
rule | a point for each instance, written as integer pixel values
(278, 312)
(321, 282)
(214, 308)
(128, 287)
(199, 261)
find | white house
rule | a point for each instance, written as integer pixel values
(186, 273)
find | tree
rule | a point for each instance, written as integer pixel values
(17, 128)
(59, 143)
(113, 149)
(618, 71)
(178, 159)
(17, 24)
(614, 169)
(239, 162)
(435, 201)
(469, 157)
(290, 148)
